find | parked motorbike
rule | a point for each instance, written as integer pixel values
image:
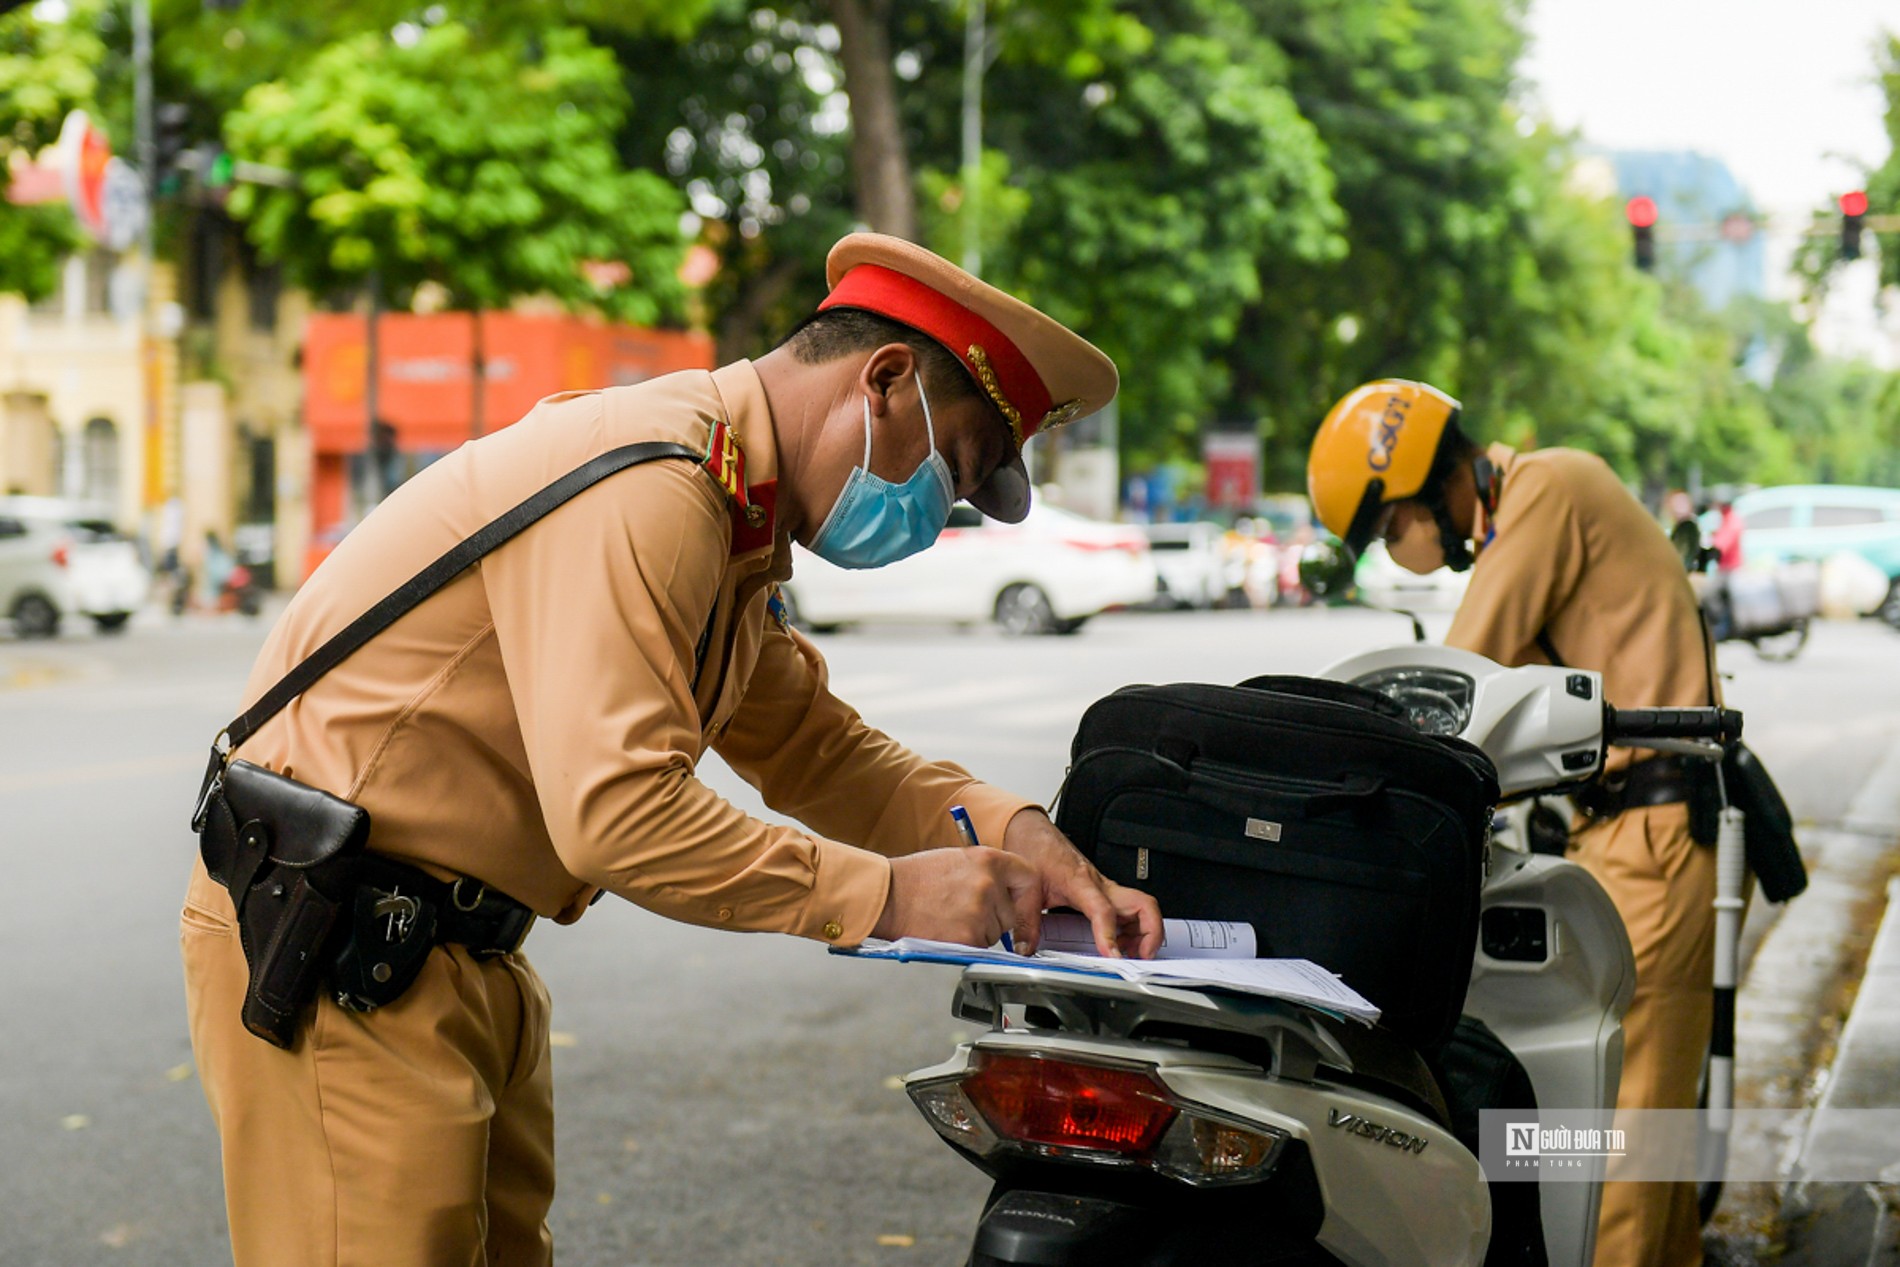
(1135, 1123)
(240, 592)
(1769, 609)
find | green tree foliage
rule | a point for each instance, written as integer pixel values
(1840, 420)
(47, 69)
(215, 54)
(488, 170)
(748, 117)
(1163, 166)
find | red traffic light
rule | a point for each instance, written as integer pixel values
(1854, 203)
(1640, 211)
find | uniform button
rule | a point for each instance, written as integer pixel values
(833, 930)
(725, 913)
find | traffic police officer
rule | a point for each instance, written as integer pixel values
(1569, 568)
(535, 727)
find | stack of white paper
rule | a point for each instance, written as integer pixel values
(1180, 938)
(1295, 980)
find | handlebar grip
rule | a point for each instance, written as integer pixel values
(1723, 725)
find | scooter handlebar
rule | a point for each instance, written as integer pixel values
(1633, 725)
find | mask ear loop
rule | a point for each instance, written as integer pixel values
(866, 464)
(930, 428)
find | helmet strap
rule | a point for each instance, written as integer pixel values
(1484, 473)
(1458, 556)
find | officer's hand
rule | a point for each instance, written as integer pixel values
(1126, 921)
(972, 896)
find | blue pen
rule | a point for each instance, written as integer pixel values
(967, 830)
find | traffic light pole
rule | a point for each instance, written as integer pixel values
(142, 120)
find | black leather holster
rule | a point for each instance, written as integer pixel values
(288, 854)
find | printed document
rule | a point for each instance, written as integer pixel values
(1295, 980)
(1180, 938)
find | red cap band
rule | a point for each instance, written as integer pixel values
(995, 362)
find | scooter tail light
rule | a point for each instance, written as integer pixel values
(1100, 1114)
(1206, 1151)
(1070, 1107)
(61, 556)
(952, 1116)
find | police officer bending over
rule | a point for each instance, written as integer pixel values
(525, 740)
(1566, 568)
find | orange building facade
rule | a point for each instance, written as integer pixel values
(426, 389)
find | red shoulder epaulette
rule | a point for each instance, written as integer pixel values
(751, 507)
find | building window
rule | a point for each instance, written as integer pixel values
(260, 505)
(265, 283)
(102, 461)
(99, 266)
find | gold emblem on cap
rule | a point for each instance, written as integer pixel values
(1061, 416)
(986, 374)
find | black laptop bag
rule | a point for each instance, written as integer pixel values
(1307, 808)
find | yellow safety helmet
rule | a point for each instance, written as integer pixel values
(1378, 445)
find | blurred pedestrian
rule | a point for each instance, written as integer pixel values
(526, 740)
(171, 565)
(1566, 568)
(1726, 540)
(218, 563)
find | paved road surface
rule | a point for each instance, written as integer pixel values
(722, 1099)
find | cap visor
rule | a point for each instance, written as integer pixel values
(1004, 496)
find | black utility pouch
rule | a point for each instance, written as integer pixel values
(1773, 854)
(385, 941)
(288, 854)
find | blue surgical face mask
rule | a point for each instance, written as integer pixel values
(875, 522)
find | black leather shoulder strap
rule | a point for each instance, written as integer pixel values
(410, 593)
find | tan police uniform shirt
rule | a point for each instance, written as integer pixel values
(1576, 557)
(537, 724)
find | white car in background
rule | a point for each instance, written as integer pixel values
(1048, 574)
(1192, 559)
(36, 591)
(1384, 583)
(106, 575)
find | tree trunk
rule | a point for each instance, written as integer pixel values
(741, 328)
(880, 163)
(478, 380)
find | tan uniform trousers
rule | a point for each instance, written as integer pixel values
(420, 1134)
(1663, 884)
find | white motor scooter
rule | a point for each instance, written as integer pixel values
(1132, 1123)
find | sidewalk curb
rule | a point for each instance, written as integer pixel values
(1791, 1012)
(1837, 1222)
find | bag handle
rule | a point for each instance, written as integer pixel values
(407, 596)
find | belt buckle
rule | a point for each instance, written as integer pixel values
(1601, 801)
(398, 911)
